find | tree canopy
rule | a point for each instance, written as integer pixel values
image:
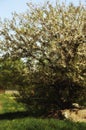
(51, 40)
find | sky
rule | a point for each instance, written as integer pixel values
(19, 6)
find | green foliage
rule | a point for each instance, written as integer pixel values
(11, 73)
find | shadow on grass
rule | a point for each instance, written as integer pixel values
(22, 114)
(16, 115)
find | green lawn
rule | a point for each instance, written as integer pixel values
(13, 117)
(8, 104)
(40, 124)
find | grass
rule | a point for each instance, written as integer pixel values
(40, 124)
(8, 104)
(13, 117)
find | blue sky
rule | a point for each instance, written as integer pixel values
(9, 6)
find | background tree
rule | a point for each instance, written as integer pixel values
(12, 73)
(52, 42)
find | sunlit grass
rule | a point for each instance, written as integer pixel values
(9, 104)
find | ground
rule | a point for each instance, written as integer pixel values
(8, 104)
(76, 115)
(14, 117)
